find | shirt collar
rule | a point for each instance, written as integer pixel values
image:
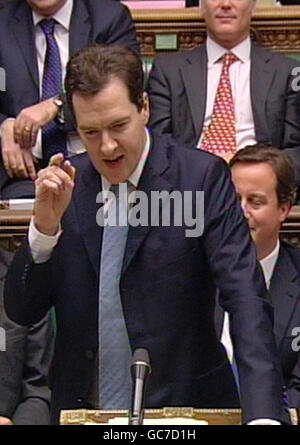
(135, 176)
(62, 16)
(268, 264)
(215, 51)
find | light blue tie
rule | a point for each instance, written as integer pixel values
(114, 349)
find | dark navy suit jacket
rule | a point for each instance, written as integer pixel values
(167, 289)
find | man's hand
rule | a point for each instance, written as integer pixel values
(17, 162)
(5, 421)
(31, 119)
(54, 187)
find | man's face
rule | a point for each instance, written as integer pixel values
(256, 188)
(46, 7)
(112, 130)
(228, 21)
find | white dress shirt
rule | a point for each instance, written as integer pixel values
(239, 73)
(268, 264)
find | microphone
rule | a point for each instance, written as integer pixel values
(140, 369)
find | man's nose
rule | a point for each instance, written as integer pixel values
(108, 144)
(226, 4)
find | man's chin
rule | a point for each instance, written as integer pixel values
(227, 35)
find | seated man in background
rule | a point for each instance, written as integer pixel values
(24, 366)
(264, 181)
(36, 39)
(229, 92)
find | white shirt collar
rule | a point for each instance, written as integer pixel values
(268, 264)
(216, 51)
(62, 16)
(135, 176)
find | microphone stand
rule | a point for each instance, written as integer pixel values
(140, 369)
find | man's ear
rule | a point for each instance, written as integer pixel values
(253, 7)
(284, 211)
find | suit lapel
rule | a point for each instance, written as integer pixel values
(86, 209)
(23, 30)
(80, 27)
(151, 180)
(194, 75)
(285, 293)
(261, 78)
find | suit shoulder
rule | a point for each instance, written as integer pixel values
(280, 60)
(293, 251)
(179, 58)
(104, 6)
(200, 157)
(8, 10)
(191, 159)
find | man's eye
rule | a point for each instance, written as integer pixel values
(90, 132)
(119, 126)
(256, 204)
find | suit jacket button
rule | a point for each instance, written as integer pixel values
(89, 355)
(79, 400)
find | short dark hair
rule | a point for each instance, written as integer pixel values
(280, 163)
(91, 69)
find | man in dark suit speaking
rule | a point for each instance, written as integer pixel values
(117, 287)
(228, 87)
(37, 37)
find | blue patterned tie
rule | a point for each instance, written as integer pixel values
(53, 136)
(114, 349)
